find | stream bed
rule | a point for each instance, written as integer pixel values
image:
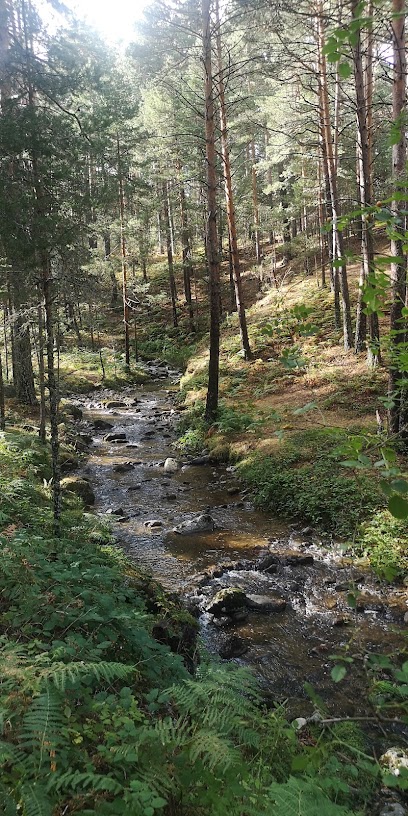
(305, 583)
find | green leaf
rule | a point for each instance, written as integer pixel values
(310, 406)
(344, 70)
(400, 486)
(338, 672)
(398, 507)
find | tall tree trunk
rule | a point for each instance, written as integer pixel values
(2, 402)
(338, 244)
(229, 200)
(126, 314)
(397, 414)
(255, 204)
(186, 249)
(41, 372)
(211, 232)
(363, 91)
(169, 244)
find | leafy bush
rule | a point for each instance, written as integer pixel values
(303, 480)
(384, 539)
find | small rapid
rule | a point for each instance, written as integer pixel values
(133, 434)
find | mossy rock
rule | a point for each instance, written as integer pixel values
(220, 453)
(68, 460)
(227, 601)
(79, 487)
(72, 410)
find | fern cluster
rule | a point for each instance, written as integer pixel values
(98, 719)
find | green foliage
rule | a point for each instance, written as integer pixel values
(384, 540)
(303, 797)
(232, 420)
(303, 480)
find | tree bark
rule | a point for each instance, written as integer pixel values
(126, 316)
(211, 231)
(186, 250)
(229, 200)
(397, 413)
(338, 244)
(169, 245)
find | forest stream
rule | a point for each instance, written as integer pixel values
(299, 614)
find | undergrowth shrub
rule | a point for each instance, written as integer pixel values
(303, 480)
(384, 539)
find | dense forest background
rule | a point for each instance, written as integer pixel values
(227, 194)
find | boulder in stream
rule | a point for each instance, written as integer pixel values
(203, 523)
(115, 437)
(80, 487)
(265, 603)
(115, 404)
(227, 601)
(123, 467)
(171, 466)
(72, 410)
(233, 646)
(102, 425)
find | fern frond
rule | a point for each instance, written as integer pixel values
(213, 750)
(10, 753)
(8, 806)
(35, 801)
(302, 797)
(60, 673)
(75, 780)
(43, 722)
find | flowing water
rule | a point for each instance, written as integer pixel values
(145, 504)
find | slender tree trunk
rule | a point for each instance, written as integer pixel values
(229, 200)
(211, 232)
(338, 245)
(126, 316)
(186, 249)
(169, 243)
(41, 372)
(255, 204)
(365, 187)
(2, 402)
(397, 414)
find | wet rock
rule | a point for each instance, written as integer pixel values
(170, 497)
(298, 559)
(171, 466)
(227, 601)
(204, 523)
(394, 759)
(369, 603)
(117, 511)
(269, 563)
(232, 491)
(265, 603)
(134, 487)
(343, 586)
(102, 425)
(115, 437)
(406, 617)
(68, 461)
(200, 460)
(342, 620)
(123, 467)
(115, 404)
(153, 523)
(393, 809)
(80, 487)
(148, 434)
(72, 410)
(233, 646)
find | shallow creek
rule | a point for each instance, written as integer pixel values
(144, 503)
